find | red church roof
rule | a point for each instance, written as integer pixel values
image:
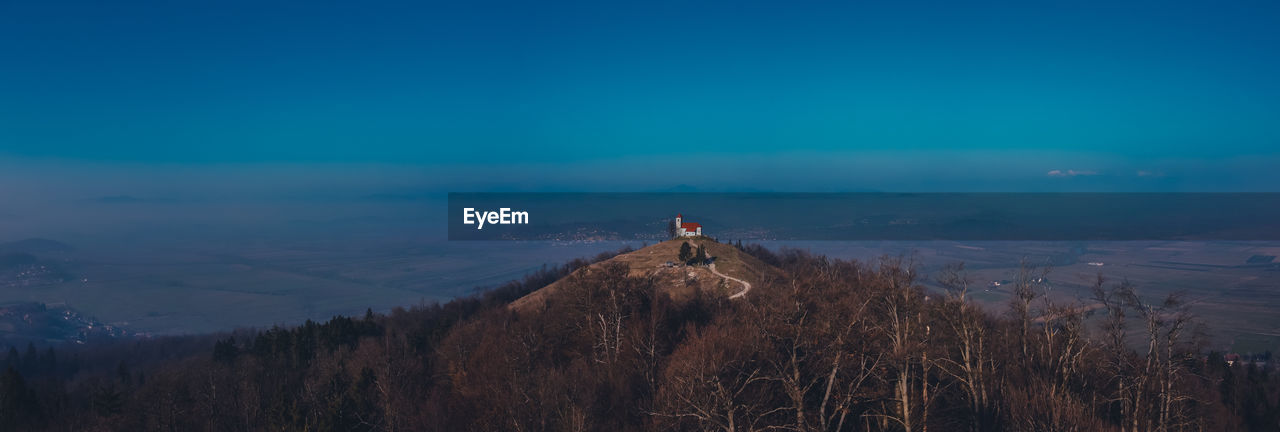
(690, 226)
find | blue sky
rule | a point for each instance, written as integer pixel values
(1133, 96)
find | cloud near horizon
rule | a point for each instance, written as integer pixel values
(1070, 173)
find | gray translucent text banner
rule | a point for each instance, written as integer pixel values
(867, 216)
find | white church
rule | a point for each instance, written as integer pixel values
(687, 229)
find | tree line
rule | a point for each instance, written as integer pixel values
(691, 256)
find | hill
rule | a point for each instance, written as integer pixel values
(26, 321)
(660, 261)
(20, 269)
(829, 345)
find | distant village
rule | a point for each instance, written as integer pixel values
(38, 322)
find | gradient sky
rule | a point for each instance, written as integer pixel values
(1051, 91)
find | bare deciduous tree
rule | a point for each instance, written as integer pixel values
(972, 366)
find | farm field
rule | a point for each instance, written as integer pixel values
(1234, 295)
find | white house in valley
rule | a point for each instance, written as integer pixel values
(687, 229)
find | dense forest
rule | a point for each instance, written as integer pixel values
(830, 345)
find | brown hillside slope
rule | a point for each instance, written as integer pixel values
(679, 281)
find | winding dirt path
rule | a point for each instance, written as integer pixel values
(745, 286)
